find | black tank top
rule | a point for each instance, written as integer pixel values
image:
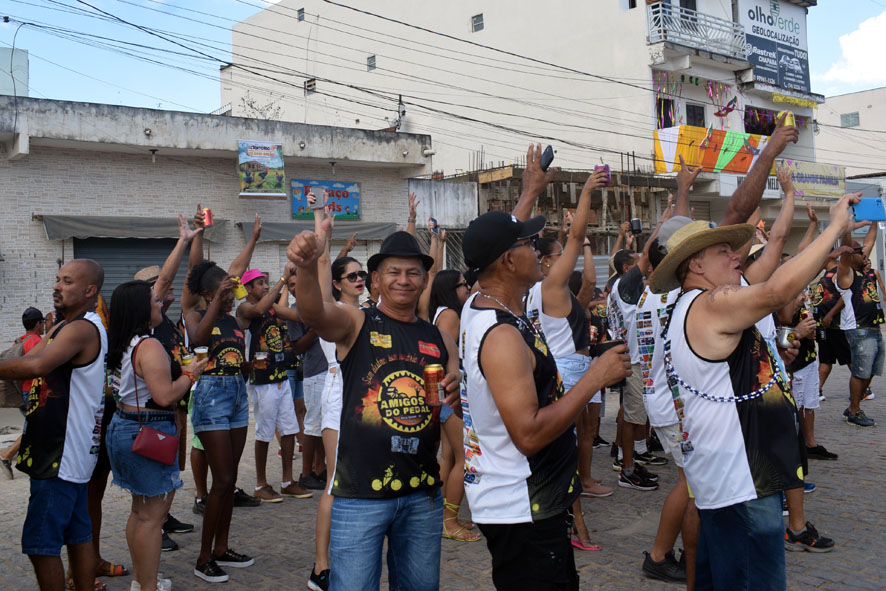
(226, 347)
(866, 299)
(268, 333)
(387, 440)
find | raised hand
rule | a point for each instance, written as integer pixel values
(598, 179)
(256, 228)
(227, 284)
(413, 205)
(198, 218)
(686, 175)
(669, 209)
(625, 228)
(779, 139)
(289, 270)
(841, 214)
(785, 176)
(184, 231)
(351, 243)
(534, 178)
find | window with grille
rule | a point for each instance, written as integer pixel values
(301, 14)
(370, 62)
(849, 120)
(477, 23)
(695, 115)
(310, 86)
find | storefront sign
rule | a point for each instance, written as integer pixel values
(775, 31)
(343, 198)
(730, 182)
(817, 180)
(261, 169)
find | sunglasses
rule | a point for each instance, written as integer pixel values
(532, 241)
(352, 277)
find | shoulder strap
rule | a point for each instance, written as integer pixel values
(135, 380)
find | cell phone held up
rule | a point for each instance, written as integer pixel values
(869, 209)
(547, 157)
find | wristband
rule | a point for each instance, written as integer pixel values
(411, 220)
(190, 377)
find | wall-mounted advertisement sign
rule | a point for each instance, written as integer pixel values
(343, 198)
(776, 42)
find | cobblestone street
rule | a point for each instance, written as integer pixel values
(848, 505)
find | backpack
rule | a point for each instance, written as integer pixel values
(11, 390)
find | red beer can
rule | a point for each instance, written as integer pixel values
(207, 217)
(434, 393)
(595, 334)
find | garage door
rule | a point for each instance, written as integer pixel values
(359, 252)
(121, 258)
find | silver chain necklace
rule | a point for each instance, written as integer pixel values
(519, 318)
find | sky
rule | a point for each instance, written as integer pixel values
(847, 42)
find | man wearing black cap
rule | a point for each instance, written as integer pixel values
(521, 456)
(386, 479)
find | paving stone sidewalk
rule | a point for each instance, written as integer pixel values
(849, 505)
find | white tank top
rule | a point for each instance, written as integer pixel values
(124, 383)
(622, 321)
(653, 311)
(329, 352)
(564, 336)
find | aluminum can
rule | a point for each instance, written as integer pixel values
(239, 290)
(789, 118)
(434, 393)
(207, 217)
(595, 333)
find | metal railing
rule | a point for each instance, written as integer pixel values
(691, 28)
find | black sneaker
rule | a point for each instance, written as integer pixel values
(174, 526)
(820, 453)
(666, 570)
(860, 419)
(654, 444)
(809, 541)
(600, 442)
(241, 499)
(635, 481)
(311, 482)
(648, 458)
(616, 465)
(642, 471)
(167, 544)
(199, 505)
(319, 582)
(613, 451)
(210, 572)
(234, 559)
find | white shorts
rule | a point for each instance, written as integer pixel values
(332, 394)
(805, 385)
(274, 410)
(671, 438)
(314, 404)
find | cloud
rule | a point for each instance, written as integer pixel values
(862, 62)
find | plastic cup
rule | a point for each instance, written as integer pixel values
(201, 353)
(187, 358)
(261, 360)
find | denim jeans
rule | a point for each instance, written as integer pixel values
(741, 547)
(413, 525)
(866, 345)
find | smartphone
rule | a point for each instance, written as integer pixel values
(869, 209)
(434, 227)
(547, 157)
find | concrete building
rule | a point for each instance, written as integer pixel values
(106, 182)
(14, 83)
(851, 130)
(627, 84)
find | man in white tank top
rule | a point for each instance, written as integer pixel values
(740, 443)
(60, 444)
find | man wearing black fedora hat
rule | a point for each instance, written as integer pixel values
(386, 478)
(520, 448)
(740, 442)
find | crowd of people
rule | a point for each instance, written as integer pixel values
(484, 384)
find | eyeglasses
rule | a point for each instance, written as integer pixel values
(532, 241)
(352, 277)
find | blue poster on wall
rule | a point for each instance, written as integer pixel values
(343, 197)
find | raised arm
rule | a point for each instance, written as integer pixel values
(811, 231)
(870, 240)
(190, 301)
(348, 247)
(170, 267)
(588, 276)
(246, 311)
(719, 316)
(761, 269)
(241, 263)
(685, 178)
(535, 180)
(643, 262)
(436, 251)
(747, 196)
(413, 209)
(843, 278)
(200, 329)
(622, 232)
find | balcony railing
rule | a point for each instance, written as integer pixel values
(690, 28)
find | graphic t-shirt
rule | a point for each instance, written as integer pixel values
(171, 339)
(501, 483)
(626, 292)
(226, 347)
(64, 413)
(388, 435)
(653, 311)
(269, 335)
(29, 340)
(738, 417)
(862, 302)
(807, 352)
(598, 318)
(824, 297)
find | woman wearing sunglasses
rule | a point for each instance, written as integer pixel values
(449, 291)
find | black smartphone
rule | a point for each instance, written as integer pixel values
(546, 158)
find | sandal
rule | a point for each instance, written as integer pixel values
(589, 545)
(109, 569)
(463, 533)
(96, 586)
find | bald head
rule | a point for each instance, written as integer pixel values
(77, 287)
(91, 272)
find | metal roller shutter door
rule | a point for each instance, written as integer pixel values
(360, 252)
(121, 258)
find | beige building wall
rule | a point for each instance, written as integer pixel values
(859, 150)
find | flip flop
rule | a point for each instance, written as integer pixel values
(109, 569)
(462, 535)
(589, 546)
(96, 585)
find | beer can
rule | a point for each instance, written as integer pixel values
(789, 118)
(434, 393)
(804, 313)
(207, 217)
(595, 334)
(239, 290)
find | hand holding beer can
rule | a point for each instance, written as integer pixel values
(434, 392)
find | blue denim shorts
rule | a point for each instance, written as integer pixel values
(297, 386)
(445, 413)
(138, 474)
(866, 345)
(58, 514)
(220, 403)
(572, 368)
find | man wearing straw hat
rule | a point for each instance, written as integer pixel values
(740, 439)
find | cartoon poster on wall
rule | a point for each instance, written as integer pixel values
(260, 166)
(343, 198)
